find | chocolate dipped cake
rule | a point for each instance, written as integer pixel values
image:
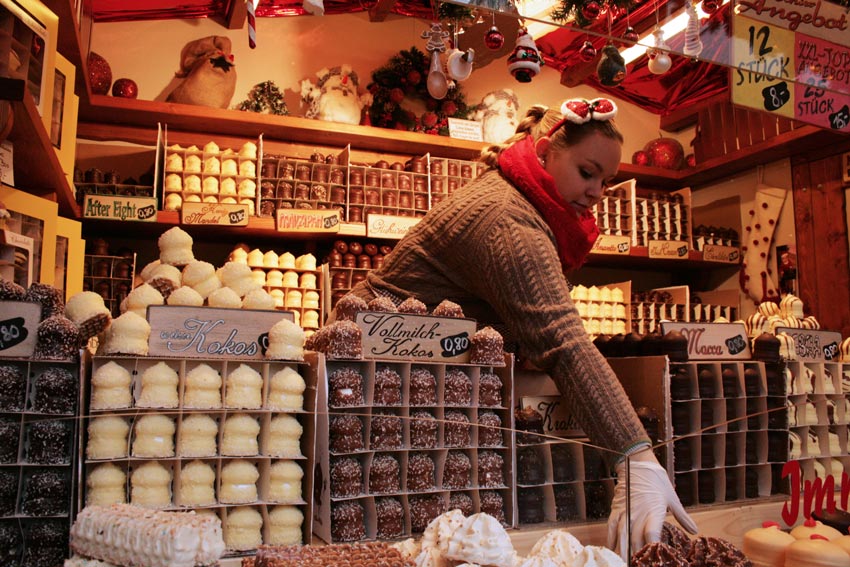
(680, 383)
(347, 521)
(423, 430)
(57, 339)
(346, 434)
(10, 434)
(657, 553)
(448, 308)
(458, 388)
(11, 542)
(387, 387)
(13, 388)
(682, 460)
(563, 462)
(385, 431)
(463, 502)
(489, 390)
(456, 429)
(457, 470)
(348, 307)
(413, 306)
(705, 383)
(530, 505)
(566, 503)
(346, 477)
(46, 493)
(675, 346)
(389, 517)
(423, 509)
(45, 543)
(529, 426)
(49, 442)
(487, 347)
(490, 469)
(491, 502)
(55, 391)
(489, 429)
(597, 500)
(529, 464)
(729, 377)
(420, 472)
(384, 474)
(766, 348)
(49, 297)
(423, 387)
(345, 387)
(8, 491)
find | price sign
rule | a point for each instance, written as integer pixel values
(222, 214)
(814, 345)
(712, 341)
(415, 337)
(668, 249)
(817, 100)
(610, 244)
(764, 67)
(141, 209)
(725, 254)
(307, 220)
(18, 327)
(389, 226)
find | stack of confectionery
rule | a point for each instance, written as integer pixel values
(811, 542)
(651, 307)
(38, 404)
(602, 309)
(293, 183)
(210, 175)
(226, 437)
(350, 261)
(708, 312)
(660, 216)
(406, 441)
(613, 212)
(446, 176)
(126, 536)
(292, 281)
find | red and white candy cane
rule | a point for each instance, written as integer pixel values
(252, 25)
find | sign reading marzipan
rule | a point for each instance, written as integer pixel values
(307, 220)
(119, 208)
(668, 249)
(389, 226)
(211, 332)
(712, 341)
(557, 419)
(725, 254)
(814, 345)
(221, 214)
(611, 244)
(415, 337)
(18, 325)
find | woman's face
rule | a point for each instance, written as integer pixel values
(582, 171)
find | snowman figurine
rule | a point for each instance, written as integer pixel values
(334, 98)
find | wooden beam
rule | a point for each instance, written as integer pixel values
(687, 116)
(381, 9)
(237, 13)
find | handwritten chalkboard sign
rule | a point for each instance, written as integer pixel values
(713, 341)
(18, 325)
(415, 337)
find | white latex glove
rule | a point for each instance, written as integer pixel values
(651, 495)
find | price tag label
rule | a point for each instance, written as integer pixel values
(814, 345)
(668, 249)
(610, 244)
(18, 328)
(389, 226)
(712, 341)
(139, 209)
(306, 220)
(725, 254)
(220, 214)
(415, 337)
(763, 66)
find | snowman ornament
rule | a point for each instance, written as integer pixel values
(334, 98)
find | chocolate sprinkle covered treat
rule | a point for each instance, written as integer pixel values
(463, 502)
(13, 388)
(10, 433)
(716, 552)
(489, 429)
(597, 500)
(11, 542)
(10, 291)
(448, 308)
(384, 474)
(529, 426)
(563, 463)
(457, 470)
(657, 554)
(489, 390)
(344, 340)
(346, 434)
(389, 516)
(423, 430)
(346, 477)
(8, 491)
(57, 339)
(46, 493)
(348, 307)
(566, 504)
(347, 521)
(458, 388)
(346, 388)
(423, 509)
(387, 387)
(487, 347)
(529, 464)
(456, 429)
(492, 503)
(420, 472)
(413, 306)
(490, 473)
(49, 442)
(530, 505)
(48, 297)
(46, 544)
(386, 431)
(382, 304)
(675, 537)
(55, 391)
(423, 387)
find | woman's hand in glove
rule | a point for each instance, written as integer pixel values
(651, 496)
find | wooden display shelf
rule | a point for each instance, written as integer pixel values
(70, 42)
(639, 258)
(36, 164)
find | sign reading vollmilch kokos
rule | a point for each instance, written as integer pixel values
(415, 337)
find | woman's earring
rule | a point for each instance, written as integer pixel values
(542, 161)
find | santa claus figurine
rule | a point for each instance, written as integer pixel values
(525, 61)
(334, 98)
(499, 115)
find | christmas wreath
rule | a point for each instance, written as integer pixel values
(405, 76)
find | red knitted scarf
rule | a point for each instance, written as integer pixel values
(574, 234)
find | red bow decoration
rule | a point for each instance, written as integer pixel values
(579, 111)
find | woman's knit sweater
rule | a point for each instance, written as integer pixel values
(489, 250)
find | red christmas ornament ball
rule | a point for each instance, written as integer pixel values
(413, 77)
(640, 157)
(710, 6)
(666, 153)
(587, 52)
(631, 35)
(591, 10)
(494, 39)
(100, 75)
(396, 95)
(691, 160)
(125, 88)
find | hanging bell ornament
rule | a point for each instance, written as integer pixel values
(591, 10)
(611, 69)
(587, 52)
(631, 35)
(494, 39)
(710, 6)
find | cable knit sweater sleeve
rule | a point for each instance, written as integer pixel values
(489, 244)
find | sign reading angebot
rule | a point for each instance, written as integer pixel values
(415, 337)
(208, 332)
(712, 341)
(814, 345)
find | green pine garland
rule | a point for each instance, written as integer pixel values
(405, 76)
(265, 98)
(574, 9)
